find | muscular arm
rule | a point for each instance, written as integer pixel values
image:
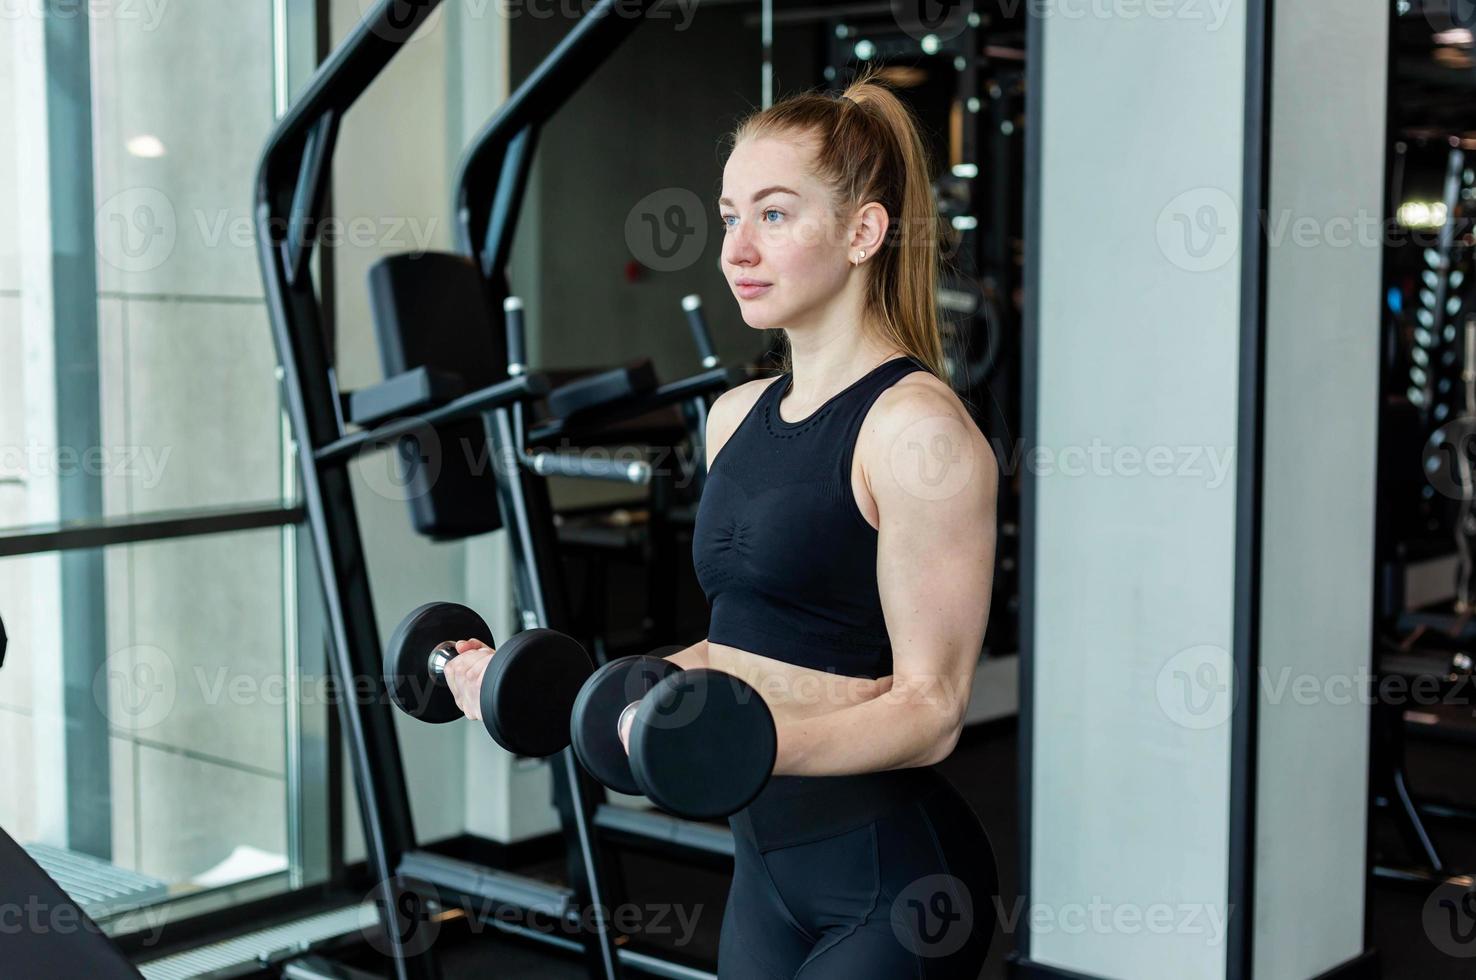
(934, 481)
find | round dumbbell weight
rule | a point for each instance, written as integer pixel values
(703, 744)
(602, 698)
(527, 692)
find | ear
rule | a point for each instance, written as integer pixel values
(868, 228)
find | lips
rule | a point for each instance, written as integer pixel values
(749, 288)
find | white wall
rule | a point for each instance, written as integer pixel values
(1137, 349)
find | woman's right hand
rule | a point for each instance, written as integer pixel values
(464, 675)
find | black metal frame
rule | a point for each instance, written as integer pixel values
(291, 187)
(135, 528)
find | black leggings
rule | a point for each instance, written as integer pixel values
(881, 876)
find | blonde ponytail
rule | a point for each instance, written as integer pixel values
(868, 148)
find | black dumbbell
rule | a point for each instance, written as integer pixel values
(593, 724)
(527, 692)
(702, 743)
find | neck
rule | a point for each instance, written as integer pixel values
(821, 367)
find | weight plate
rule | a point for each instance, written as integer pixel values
(407, 673)
(597, 709)
(703, 744)
(529, 690)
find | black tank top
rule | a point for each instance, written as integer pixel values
(783, 553)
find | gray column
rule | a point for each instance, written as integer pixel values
(1202, 336)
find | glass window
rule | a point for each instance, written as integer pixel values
(154, 734)
(137, 371)
(152, 701)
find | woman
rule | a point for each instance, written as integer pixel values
(845, 540)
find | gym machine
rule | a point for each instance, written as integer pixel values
(451, 379)
(1425, 636)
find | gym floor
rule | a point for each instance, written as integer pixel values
(1399, 933)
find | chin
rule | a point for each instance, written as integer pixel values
(760, 315)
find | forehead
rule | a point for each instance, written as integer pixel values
(764, 162)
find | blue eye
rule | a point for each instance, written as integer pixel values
(728, 219)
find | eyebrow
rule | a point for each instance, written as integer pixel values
(776, 189)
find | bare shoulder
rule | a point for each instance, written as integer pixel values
(920, 437)
(729, 409)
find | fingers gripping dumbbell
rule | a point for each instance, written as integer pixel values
(702, 742)
(527, 692)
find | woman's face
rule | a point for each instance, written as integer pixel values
(784, 254)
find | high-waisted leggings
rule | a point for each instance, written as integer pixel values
(881, 876)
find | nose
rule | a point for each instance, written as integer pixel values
(739, 247)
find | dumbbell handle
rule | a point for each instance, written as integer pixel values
(628, 712)
(441, 655)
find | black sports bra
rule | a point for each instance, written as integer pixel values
(783, 553)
